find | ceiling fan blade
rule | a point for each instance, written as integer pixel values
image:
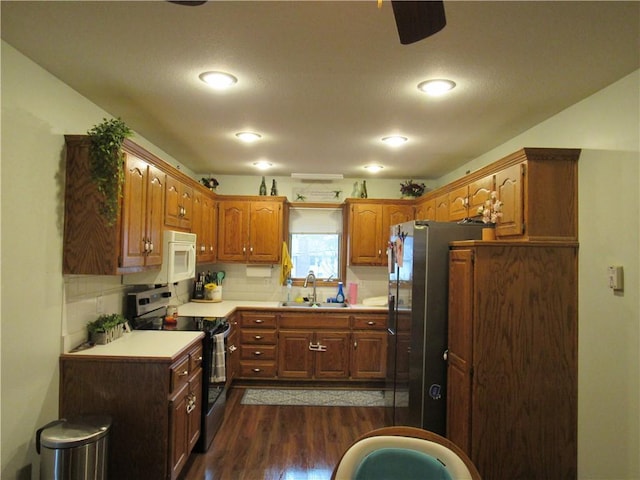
(418, 19)
(188, 3)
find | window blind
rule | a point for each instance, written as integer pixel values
(315, 220)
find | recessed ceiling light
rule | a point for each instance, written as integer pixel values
(395, 140)
(436, 88)
(218, 80)
(374, 168)
(248, 137)
(262, 165)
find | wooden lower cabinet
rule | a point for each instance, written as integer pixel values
(512, 362)
(185, 415)
(154, 403)
(305, 345)
(369, 346)
(313, 346)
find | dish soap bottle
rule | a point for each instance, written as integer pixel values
(340, 295)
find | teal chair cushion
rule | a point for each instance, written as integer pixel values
(396, 463)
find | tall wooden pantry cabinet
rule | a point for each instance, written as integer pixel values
(512, 359)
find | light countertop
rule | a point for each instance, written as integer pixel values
(227, 307)
(156, 344)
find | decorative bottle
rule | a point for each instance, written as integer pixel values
(263, 187)
(363, 192)
(340, 295)
(274, 190)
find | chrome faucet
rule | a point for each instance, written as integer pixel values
(311, 276)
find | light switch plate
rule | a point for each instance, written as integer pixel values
(615, 277)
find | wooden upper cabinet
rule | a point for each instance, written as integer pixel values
(178, 204)
(539, 191)
(442, 208)
(426, 209)
(509, 190)
(465, 200)
(142, 213)
(369, 229)
(203, 224)
(134, 242)
(250, 231)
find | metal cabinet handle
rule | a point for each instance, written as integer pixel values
(445, 355)
(257, 353)
(355, 345)
(371, 323)
(183, 374)
(232, 348)
(257, 370)
(259, 320)
(258, 337)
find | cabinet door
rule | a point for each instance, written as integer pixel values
(365, 225)
(369, 354)
(426, 210)
(479, 192)
(233, 228)
(442, 208)
(155, 214)
(179, 204)
(265, 232)
(194, 413)
(209, 229)
(333, 360)
(295, 360)
(179, 428)
(510, 193)
(134, 213)
(203, 225)
(392, 215)
(460, 334)
(458, 203)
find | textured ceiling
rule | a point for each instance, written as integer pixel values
(324, 81)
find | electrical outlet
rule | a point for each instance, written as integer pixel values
(100, 305)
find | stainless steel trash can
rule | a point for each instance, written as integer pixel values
(74, 448)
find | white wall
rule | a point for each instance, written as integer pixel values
(607, 128)
(38, 303)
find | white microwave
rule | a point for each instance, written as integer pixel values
(178, 261)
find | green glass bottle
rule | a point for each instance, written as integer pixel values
(263, 187)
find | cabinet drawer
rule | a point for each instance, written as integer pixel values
(377, 322)
(258, 337)
(258, 320)
(257, 369)
(195, 358)
(179, 372)
(314, 320)
(258, 352)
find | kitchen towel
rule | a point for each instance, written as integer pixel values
(218, 371)
(286, 264)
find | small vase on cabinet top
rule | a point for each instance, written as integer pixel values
(488, 233)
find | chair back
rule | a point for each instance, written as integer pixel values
(404, 452)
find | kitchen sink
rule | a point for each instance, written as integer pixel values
(313, 305)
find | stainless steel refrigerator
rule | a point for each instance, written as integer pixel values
(418, 301)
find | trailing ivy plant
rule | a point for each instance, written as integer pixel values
(107, 163)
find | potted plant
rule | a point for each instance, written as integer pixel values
(411, 189)
(106, 328)
(210, 182)
(106, 161)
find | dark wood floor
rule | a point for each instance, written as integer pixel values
(280, 442)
